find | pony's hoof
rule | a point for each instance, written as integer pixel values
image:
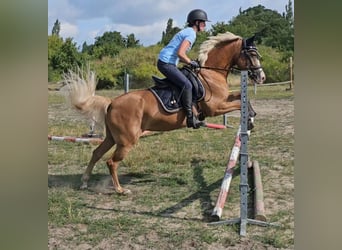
(250, 124)
(84, 186)
(201, 116)
(125, 192)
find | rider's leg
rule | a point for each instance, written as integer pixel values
(179, 79)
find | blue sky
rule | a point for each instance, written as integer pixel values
(83, 20)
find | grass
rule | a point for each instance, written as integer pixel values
(175, 178)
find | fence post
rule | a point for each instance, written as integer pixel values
(126, 82)
(291, 76)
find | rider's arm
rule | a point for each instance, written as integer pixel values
(182, 52)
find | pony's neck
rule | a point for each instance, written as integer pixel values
(224, 56)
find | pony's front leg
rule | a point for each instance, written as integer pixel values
(227, 107)
(227, 104)
(232, 103)
(251, 112)
(237, 96)
(223, 105)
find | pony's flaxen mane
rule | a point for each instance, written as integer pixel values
(212, 42)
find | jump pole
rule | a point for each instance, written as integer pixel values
(75, 139)
(214, 126)
(228, 175)
(259, 208)
(243, 220)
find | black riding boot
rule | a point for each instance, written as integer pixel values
(191, 119)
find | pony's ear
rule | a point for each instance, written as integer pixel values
(250, 41)
(259, 34)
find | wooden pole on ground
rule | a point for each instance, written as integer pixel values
(259, 208)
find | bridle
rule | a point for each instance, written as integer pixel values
(247, 51)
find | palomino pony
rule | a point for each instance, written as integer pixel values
(126, 117)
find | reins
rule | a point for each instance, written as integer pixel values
(251, 71)
(213, 68)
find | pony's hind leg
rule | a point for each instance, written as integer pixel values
(119, 154)
(107, 144)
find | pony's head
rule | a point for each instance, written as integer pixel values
(249, 59)
(226, 50)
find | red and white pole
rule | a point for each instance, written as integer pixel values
(215, 126)
(233, 158)
(74, 139)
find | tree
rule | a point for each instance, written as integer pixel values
(275, 68)
(62, 56)
(87, 48)
(54, 45)
(56, 28)
(168, 34)
(131, 42)
(219, 27)
(289, 13)
(275, 30)
(290, 19)
(109, 44)
(110, 37)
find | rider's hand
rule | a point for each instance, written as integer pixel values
(194, 65)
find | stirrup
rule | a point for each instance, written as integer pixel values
(192, 122)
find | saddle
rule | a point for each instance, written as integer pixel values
(169, 95)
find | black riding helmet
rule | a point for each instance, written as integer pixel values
(197, 14)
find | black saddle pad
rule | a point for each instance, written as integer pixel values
(169, 95)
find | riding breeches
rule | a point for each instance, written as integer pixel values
(174, 75)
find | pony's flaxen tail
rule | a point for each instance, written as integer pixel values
(80, 94)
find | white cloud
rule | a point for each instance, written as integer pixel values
(68, 30)
(147, 34)
(63, 9)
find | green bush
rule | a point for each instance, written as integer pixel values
(275, 66)
(143, 75)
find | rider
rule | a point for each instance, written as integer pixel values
(174, 52)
